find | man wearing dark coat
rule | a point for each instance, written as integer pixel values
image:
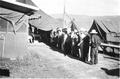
(86, 41)
(94, 43)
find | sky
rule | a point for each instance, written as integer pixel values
(80, 7)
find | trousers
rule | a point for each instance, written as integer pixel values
(94, 55)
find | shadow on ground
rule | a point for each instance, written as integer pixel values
(112, 72)
(4, 72)
(69, 55)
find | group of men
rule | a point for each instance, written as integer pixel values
(72, 43)
(65, 39)
(80, 44)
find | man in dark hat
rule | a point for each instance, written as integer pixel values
(94, 43)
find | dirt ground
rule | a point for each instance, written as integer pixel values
(43, 62)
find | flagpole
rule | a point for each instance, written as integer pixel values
(64, 14)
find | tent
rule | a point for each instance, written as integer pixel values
(45, 23)
(14, 27)
(107, 30)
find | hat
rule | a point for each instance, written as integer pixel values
(75, 31)
(94, 31)
(59, 29)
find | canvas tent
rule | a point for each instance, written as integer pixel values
(15, 42)
(45, 23)
(107, 30)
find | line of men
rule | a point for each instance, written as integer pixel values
(72, 42)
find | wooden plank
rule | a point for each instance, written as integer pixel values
(110, 45)
(17, 6)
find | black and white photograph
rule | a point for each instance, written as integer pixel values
(60, 39)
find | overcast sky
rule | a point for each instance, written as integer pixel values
(80, 7)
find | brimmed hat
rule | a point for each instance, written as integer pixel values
(59, 29)
(75, 31)
(94, 31)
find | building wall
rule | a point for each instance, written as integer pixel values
(15, 44)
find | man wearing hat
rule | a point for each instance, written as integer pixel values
(94, 43)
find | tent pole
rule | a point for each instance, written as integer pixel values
(3, 46)
(4, 41)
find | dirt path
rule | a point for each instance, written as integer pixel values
(60, 66)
